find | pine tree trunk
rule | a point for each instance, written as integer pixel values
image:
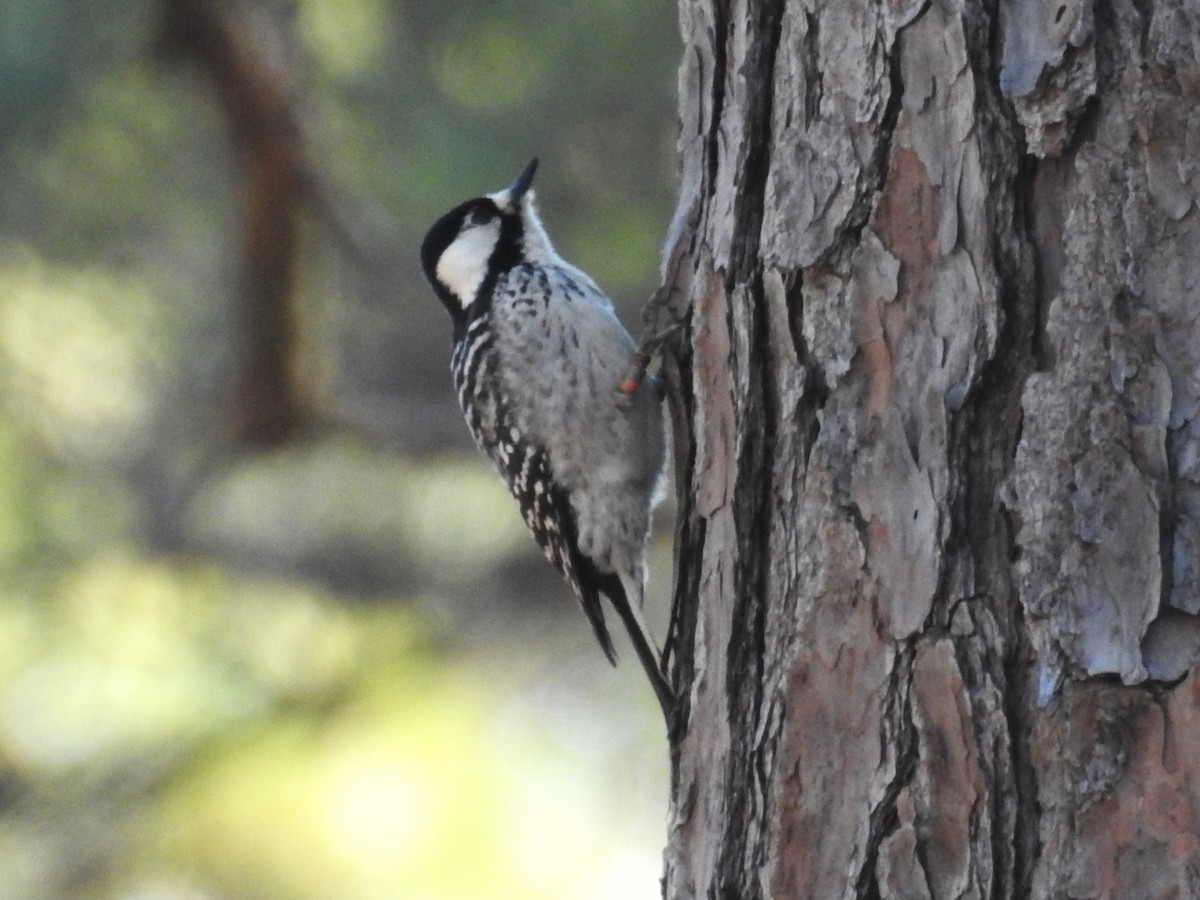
(938, 449)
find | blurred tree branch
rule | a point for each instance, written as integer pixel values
(252, 80)
(269, 406)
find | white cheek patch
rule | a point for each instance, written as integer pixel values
(463, 264)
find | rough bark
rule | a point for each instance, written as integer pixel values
(937, 439)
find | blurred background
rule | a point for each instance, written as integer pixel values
(269, 626)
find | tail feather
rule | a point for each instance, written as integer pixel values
(589, 599)
(559, 542)
(643, 644)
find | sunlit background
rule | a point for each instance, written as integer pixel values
(269, 627)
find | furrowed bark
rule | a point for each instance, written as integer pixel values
(938, 565)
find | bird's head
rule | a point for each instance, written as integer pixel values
(468, 247)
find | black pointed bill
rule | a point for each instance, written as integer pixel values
(521, 183)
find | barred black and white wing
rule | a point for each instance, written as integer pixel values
(525, 469)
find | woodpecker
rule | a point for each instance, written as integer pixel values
(538, 360)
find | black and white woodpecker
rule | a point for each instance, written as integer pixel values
(538, 360)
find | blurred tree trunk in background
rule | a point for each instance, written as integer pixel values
(936, 421)
(252, 88)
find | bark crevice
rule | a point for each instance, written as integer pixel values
(899, 737)
(876, 171)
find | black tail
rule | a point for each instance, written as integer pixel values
(589, 599)
(560, 545)
(643, 644)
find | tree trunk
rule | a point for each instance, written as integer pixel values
(269, 406)
(938, 556)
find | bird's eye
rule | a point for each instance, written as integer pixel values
(476, 217)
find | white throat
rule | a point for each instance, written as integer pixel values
(535, 246)
(463, 265)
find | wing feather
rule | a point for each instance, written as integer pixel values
(528, 343)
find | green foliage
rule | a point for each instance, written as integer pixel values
(29, 75)
(82, 348)
(295, 747)
(488, 69)
(312, 673)
(347, 37)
